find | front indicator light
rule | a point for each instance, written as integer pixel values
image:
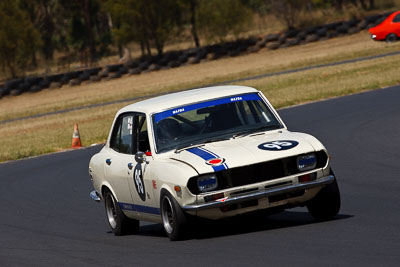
(304, 178)
(207, 183)
(177, 188)
(307, 177)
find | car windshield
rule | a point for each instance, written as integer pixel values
(212, 120)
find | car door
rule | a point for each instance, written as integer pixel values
(140, 180)
(119, 157)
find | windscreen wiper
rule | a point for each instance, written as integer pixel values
(258, 129)
(185, 147)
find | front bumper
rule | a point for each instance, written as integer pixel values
(96, 196)
(261, 194)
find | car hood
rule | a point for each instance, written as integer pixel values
(247, 150)
(376, 30)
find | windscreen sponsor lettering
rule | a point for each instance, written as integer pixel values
(175, 111)
(178, 111)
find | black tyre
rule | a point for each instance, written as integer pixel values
(273, 45)
(113, 68)
(175, 221)
(154, 67)
(326, 204)
(2, 91)
(44, 83)
(35, 88)
(135, 71)
(342, 29)
(131, 64)
(273, 37)
(390, 38)
(312, 38)
(114, 75)
(15, 92)
(84, 76)
(119, 223)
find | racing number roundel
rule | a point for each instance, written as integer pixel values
(278, 145)
(138, 180)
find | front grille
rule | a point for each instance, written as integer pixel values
(256, 173)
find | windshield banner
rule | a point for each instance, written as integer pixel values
(172, 112)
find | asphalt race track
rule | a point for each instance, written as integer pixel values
(48, 219)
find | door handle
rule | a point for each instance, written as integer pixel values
(130, 166)
(108, 161)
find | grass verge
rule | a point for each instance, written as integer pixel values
(31, 137)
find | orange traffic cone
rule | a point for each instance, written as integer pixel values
(76, 139)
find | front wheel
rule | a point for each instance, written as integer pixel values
(119, 223)
(326, 204)
(174, 219)
(391, 38)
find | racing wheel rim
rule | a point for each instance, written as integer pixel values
(168, 215)
(111, 211)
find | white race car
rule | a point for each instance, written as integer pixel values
(214, 152)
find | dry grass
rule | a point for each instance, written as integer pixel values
(329, 82)
(53, 133)
(193, 75)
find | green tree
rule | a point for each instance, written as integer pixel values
(18, 38)
(128, 23)
(42, 14)
(150, 23)
(81, 25)
(218, 18)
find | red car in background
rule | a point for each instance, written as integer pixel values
(388, 30)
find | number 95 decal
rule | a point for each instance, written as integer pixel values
(278, 145)
(139, 184)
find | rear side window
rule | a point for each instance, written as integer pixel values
(121, 139)
(397, 18)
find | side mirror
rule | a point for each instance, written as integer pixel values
(140, 157)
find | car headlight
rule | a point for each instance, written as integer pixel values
(207, 183)
(306, 162)
(373, 36)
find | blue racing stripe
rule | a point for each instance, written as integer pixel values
(139, 208)
(207, 155)
(222, 166)
(201, 153)
(172, 112)
(219, 168)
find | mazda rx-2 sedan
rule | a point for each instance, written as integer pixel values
(213, 153)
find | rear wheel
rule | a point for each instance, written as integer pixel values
(174, 220)
(391, 38)
(326, 204)
(119, 223)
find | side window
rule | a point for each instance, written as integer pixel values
(397, 18)
(121, 139)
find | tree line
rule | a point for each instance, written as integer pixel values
(88, 29)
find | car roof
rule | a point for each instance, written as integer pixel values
(173, 100)
(392, 15)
